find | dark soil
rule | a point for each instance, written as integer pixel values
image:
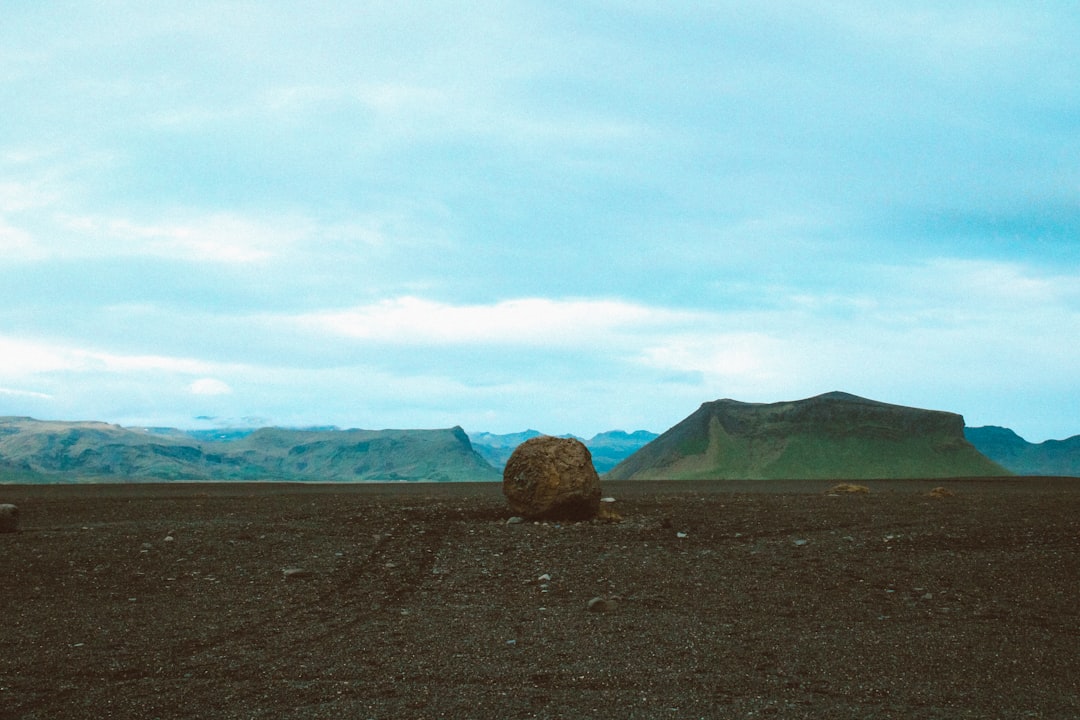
(733, 600)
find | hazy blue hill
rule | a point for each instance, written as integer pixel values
(610, 448)
(831, 436)
(1005, 447)
(74, 451)
(496, 449)
(607, 448)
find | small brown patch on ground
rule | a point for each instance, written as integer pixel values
(848, 488)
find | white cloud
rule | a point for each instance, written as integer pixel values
(723, 359)
(209, 386)
(24, 393)
(24, 358)
(16, 242)
(219, 238)
(527, 321)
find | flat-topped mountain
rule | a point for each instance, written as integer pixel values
(1005, 447)
(92, 450)
(831, 436)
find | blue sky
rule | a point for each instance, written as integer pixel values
(568, 216)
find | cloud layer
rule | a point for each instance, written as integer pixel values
(571, 218)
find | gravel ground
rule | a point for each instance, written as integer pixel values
(717, 600)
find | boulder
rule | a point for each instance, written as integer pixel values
(553, 479)
(9, 518)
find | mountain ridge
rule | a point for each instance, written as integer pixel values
(47, 450)
(607, 448)
(1005, 447)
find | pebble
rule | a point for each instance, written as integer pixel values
(602, 604)
(515, 520)
(801, 542)
(607, 499)
(294, 572)
(680, 534)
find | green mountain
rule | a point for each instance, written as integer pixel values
(1005, 447)
(89, 450)
(831, 436)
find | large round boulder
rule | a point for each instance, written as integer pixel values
(552, 478)
(9, 518)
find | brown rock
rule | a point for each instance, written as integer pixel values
(9, 518)
(552, 478)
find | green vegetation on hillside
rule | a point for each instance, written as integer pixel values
(82, 451)
(833, 436)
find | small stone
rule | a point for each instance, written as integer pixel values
(293, 573)
(168, 538)
(681, 534)
(607, 499)
(800, 542)
(544, 578)
(602, 604)
(516, 520)
(9, 518)
(928, 596)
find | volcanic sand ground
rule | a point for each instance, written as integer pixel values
(419, 601)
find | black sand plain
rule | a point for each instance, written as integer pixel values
(722, 600)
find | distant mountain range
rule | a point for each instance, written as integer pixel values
(47, 451)
(608, 448)
(1005, 447)
(831, 436)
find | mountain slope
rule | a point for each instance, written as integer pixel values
(97, 450)
(1005, 447)
(835, 435)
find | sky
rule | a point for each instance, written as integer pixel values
(566, 216)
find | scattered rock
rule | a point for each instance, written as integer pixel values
(848, 488)
(9, 518)
(603, 604)
(552, 478)
(606, 514)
